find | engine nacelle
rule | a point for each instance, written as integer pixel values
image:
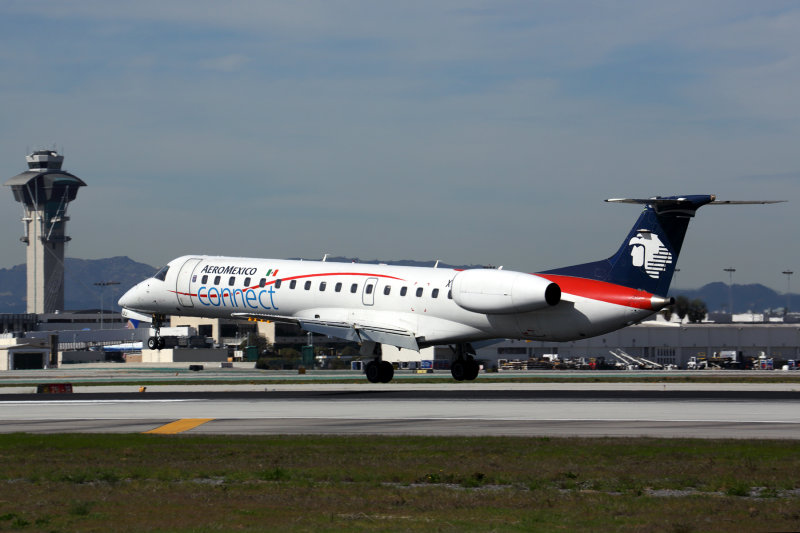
(501, 291)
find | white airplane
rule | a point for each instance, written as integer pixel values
(416, 307)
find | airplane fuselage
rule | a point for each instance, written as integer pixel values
(414, 299)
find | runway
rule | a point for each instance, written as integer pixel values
(712, 412)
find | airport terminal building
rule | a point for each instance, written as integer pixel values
(665, 344)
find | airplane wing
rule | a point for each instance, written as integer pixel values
(352, 331)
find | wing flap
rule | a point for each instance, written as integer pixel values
(356, 332)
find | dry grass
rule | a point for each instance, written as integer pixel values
(195, 483)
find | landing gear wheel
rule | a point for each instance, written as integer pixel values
(459, 369)
(161, 343)
(379, 371)
(386, 372)
(152, 343)
(373, 372)
(472, 370)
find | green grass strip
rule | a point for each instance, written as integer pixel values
(329, 483)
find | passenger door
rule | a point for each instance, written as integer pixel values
(184, 281)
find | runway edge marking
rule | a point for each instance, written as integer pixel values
(179, 426)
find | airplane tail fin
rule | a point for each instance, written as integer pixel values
(647, 257)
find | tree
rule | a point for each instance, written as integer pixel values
(697, 311)
(681, 307)
(289, 353)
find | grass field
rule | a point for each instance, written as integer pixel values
(199, 483)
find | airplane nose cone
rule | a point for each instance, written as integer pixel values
(128, 299)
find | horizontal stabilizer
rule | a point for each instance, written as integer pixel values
(656, 200)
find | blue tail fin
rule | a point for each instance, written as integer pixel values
(647, 257)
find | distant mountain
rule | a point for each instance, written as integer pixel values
(12, 289)
(754, 297)
(80, 276)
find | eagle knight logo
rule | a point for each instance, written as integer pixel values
(649, 253)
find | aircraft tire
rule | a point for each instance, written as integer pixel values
(472, 370)
(152, 343)
(161, 342)
(386, 372)
(373, 372)
(458, 369)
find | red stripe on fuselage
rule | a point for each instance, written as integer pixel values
(602, 290)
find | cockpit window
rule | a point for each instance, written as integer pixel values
(162, 274)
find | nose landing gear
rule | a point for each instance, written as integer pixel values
(157, 342)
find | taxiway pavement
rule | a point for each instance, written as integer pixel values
(524, 409)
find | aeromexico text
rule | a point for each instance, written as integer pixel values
(233, 270)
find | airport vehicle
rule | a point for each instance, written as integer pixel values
(416, 307)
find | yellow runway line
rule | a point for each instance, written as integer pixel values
(179, 426)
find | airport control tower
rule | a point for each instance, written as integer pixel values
(45, 191)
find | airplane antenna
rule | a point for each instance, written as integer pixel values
(324, 258)
(437, 264)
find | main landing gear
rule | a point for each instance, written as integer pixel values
(464, 367)
(157, 342)
(377, 370)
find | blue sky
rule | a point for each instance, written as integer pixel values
(469, 131)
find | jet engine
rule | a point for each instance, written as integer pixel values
(501, 291)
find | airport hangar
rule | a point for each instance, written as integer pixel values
(664, 343)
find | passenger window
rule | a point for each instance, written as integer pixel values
(403, 291)
(263, 283)
(322, 286)
(354, 287)
(435, 293)
(369, 288)
(204, 279)
(387, 289)
(277, 284)
(338, 287)
(231, 281)
(216, 280)
(307, 285)
(419, 292)
(246, 282)
(293, 284)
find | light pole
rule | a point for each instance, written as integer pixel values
(103, 285)
(730, 271)
(788, 289)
